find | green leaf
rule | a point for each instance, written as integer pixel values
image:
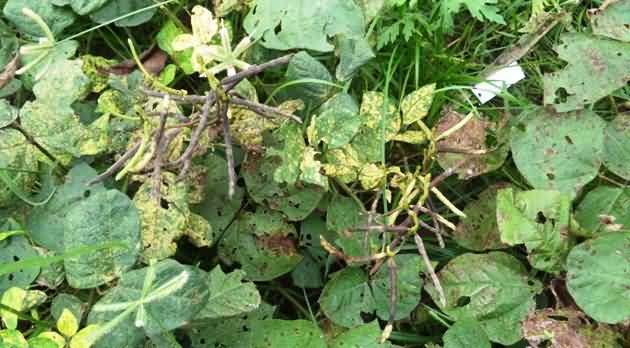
(596, 67)
(64, 84)
(216, 207)
(308, 273)
(559, 152)
(263, 243)
(347, 295)
(12, 339)
(493, 288)
(17, 248)
(154, 299)
(19, 300)
(479, 230)
(540, 220)
(43, 342)
(304, 24)
(56, 18)
(604, 209)
(466, 333)
(304, 67)
(117, 8)
(415, 106)
(614, 21)
(337, 122)
(364, 336)
(108, 216)
(228, 332)
(83, 7)
(483, 10)
(617, 146)
(295, 202)
(229, 295)
(164, 39)
(286, 333)
(8, 113)
(598, 277)
(8, 46)
(354, 53)
(408, 286)
(46, 223)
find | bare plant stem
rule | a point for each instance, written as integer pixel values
(427, 262)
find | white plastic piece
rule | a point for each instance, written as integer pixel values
(498, 81)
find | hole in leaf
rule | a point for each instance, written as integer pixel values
(11, 277)
(561, 95)
(462, 301)
(540, 218)
(86, 193)
(558, 317)
(164, 204)
(550, 176)
(16, 258)
(568, 139)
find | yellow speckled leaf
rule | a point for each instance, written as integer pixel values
(415, 106)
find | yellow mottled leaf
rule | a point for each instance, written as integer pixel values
(85, 338)
(67, 324)
(415, 106)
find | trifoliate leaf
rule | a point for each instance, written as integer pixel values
(304, 24)
(17, 248)
(364, 336)
(263, 243)
(408, 287)
(492, 288)
(104, 217)
(229, 295)
(613, 21)
(151, 300)
(540, 220)
(597, 67)
(295, 202)
(466, 333)
(559, 151)
(19, 300)
(469, 144)
(617, 146)
(415, 106)
(598, 277)
(604, 209)
(479, 230)
(117, 8)
(482, 10)
(46, 223)
(345, 296)
(56, 18)
(338, 121)
(67, 324)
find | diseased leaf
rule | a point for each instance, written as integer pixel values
(12, 339)
(263, 243)
(229, 295)
(295, 202)
(345, 296)
(83, 7)
(108, 216)
(565, 328)
(117, 8)
(617, 146)
(8, 113)
(613, 21)
(598, 277)
(302, 66)
(17, 248)
(338, 121)
(408, 287)
(56, 55)
(479, 230)
(311, 169)
(493, 288)
(304, 24)
(56, 18)
(540, 220)
(469, 144)
(597, 67)
(69, 302)
(46, 223)
(466, 333)
(604, 209)
(18, 160)
(67, 324)
(483, 10)
(415, 106)
(19, 300)
(151, 300)
(559, 151)
(290, 137)
(286, 333)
